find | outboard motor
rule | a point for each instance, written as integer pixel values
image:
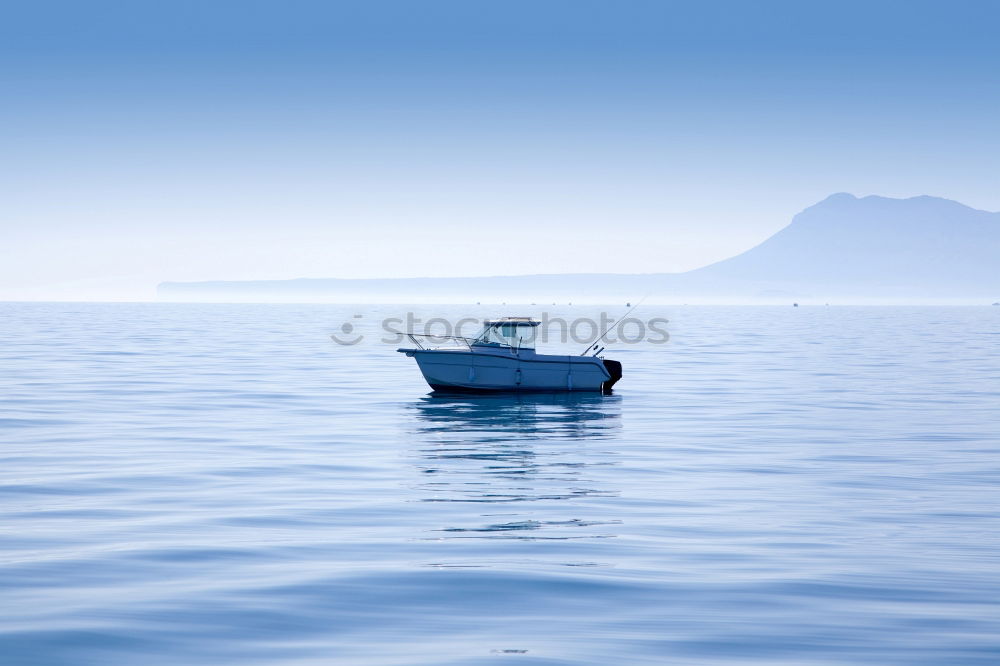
(614, 369)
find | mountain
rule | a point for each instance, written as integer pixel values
(845, 249)
(917, 246)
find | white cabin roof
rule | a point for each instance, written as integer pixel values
(512, 321)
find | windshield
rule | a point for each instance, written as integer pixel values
(509, 334)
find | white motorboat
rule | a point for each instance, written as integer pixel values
(502, 357)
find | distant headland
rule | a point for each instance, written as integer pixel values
(842, 249)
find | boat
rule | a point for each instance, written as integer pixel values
(502, 358)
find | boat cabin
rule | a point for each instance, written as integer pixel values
(515, 332)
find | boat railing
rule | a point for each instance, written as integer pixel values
(430, 341)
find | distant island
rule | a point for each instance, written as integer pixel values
(842, 249)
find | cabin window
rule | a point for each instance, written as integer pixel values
(517, 335)
(520, 336)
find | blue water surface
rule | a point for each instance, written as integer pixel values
(222, 484)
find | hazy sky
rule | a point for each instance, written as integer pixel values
(151, 141)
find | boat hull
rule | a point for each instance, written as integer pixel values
(477, 372)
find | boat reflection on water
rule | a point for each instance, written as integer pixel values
(518, 466)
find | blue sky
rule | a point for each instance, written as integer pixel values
(256, 140)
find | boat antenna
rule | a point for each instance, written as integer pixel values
(595, 343)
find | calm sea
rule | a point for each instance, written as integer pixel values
(222, 484)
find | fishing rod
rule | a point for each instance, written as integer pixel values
(597, 342)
